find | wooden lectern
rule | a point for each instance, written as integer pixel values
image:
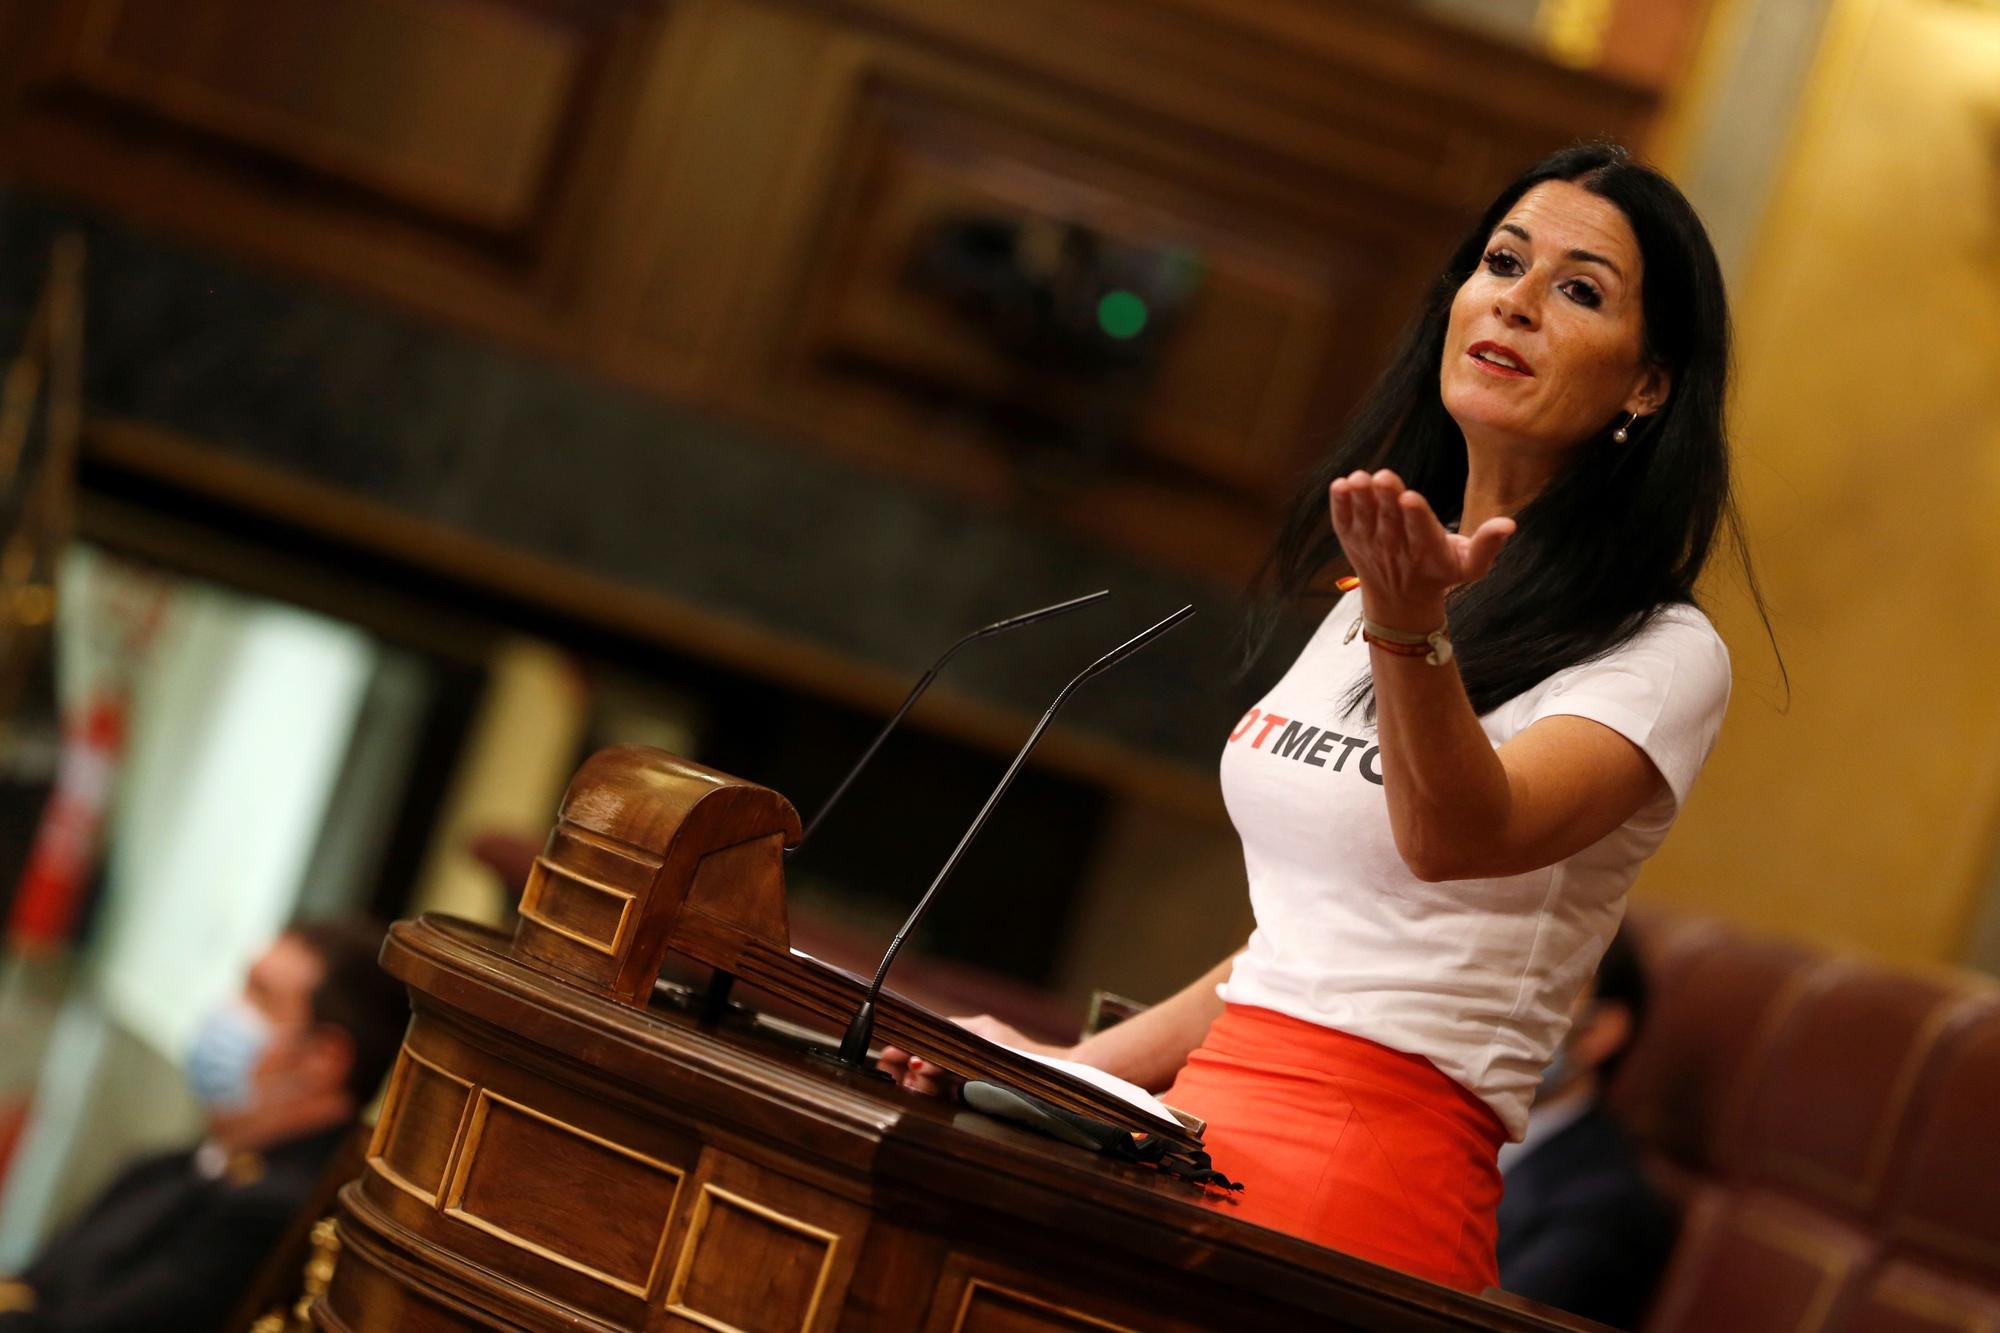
(564, 1145)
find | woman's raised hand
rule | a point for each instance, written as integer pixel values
(1404, 557)
(920, 1075)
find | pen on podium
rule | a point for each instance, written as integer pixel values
(924, 683)
(854, 1047)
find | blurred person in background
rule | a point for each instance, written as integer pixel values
(1580, 1227)
(283, 1069)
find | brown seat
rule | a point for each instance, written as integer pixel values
(1836, 1080)
(1753, 1261)
(1784, 1238)
(1941, 1222)
(1905, 1297)
(1714, 995)
(1829, 1123)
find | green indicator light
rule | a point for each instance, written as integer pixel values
(1121, 314)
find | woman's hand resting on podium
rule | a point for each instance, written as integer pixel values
(1148, 1048)
(920, 1075)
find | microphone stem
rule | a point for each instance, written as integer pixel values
(924, 683)
(868, 754)
(854, 1046)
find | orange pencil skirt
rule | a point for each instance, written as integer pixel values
(1348, 1144)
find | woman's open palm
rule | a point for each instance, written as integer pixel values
(1403, 556)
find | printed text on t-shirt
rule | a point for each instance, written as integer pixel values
(1322, 747)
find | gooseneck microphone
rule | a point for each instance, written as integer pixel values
(854, 1047)
(924, 683)
(715, 999)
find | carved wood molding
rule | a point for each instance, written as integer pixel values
(715, 201)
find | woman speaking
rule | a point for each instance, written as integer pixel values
(1444, 799)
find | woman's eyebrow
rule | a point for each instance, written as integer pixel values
(1586, 256)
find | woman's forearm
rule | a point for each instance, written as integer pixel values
(1149, 1048)
(1458, 808)
(1447, 791)
(1449, 796)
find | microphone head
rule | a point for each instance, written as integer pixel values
(1135, 643)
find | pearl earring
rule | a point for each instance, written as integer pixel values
(1624, 432)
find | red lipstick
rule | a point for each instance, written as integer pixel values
(1500, 359)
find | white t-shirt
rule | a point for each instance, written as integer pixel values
(1477, 975)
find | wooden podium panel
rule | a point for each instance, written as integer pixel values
(557, 1152)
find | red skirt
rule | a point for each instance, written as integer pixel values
(1348, 1144)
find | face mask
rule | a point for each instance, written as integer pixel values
(226, 1049)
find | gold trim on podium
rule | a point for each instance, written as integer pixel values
(465, 1157)
(699, 1223)
(392, 1110)
(536, 889)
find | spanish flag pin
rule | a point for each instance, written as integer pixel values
(1347, 583)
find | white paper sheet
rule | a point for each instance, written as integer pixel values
(1131, 1093)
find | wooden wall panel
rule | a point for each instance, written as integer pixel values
(454, 107)
(719, 201)
(1242, 373)
(768, 268)
(1371, 93)
(1887, 845)
(734, 114)
(450, 157)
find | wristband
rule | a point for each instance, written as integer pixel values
(1434, 647)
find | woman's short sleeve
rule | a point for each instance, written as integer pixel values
(1664, 690)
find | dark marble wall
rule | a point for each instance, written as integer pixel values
(449, 429)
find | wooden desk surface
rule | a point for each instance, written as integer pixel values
(547, 1157)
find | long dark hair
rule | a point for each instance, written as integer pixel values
(1620, 531)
